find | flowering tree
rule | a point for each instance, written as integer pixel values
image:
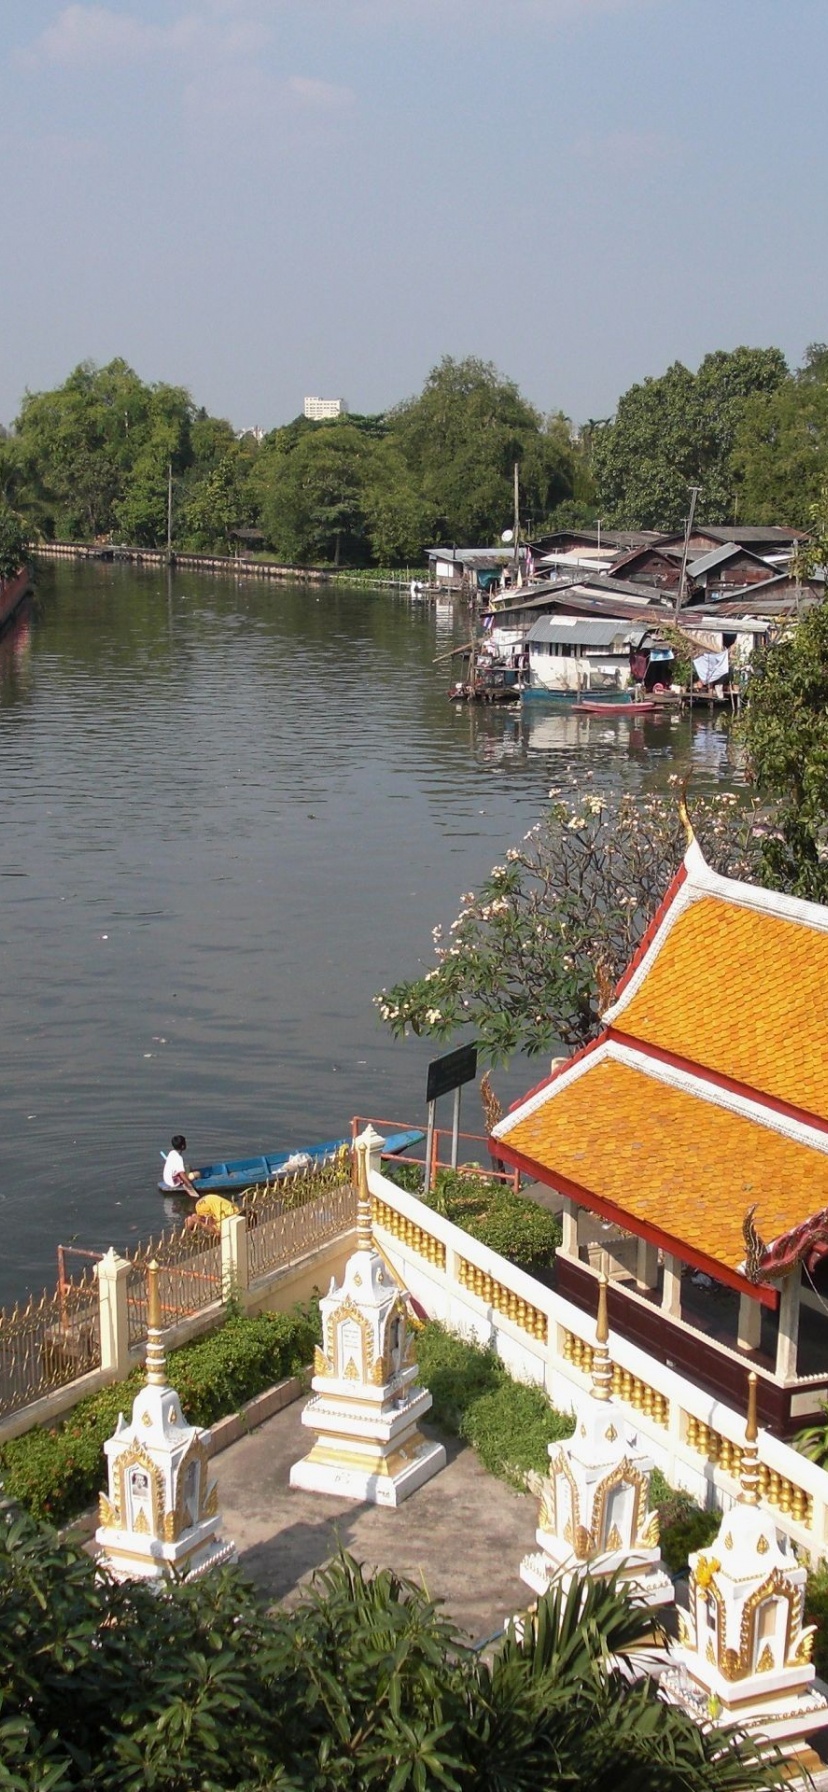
(532, 958)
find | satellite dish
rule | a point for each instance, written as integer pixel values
(508, 535)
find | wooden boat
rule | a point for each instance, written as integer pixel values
(616, 709)
(243, 1172)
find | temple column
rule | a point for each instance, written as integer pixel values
(749, 1333)
(569, 1222)
(113, 1274)
(671, 1292)
(646, 1266)
(786, 1348)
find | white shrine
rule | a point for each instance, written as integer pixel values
(595, 1504)
(367, 1405)
(159, 1519)
(744, 1653)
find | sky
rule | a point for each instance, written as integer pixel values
(263, 199)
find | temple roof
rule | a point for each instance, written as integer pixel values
(706, 1095)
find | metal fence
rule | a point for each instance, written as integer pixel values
(189, 1278)
(49, 1342)
(286, 1223)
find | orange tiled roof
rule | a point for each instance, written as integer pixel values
(671, 1161)
(742, 992)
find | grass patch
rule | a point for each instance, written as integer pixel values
(508, 1423)
(56, 1472)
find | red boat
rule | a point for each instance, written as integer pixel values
(642, 708)
(12, 593)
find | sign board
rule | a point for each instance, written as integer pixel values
(450, 1072)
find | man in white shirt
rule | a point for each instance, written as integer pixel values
(175, 1174)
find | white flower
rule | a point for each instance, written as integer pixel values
(433, 1015)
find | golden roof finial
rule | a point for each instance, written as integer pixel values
(365, 1231)
(156, 1364)
(684, 812)
(601, 1365)
(749, 1478)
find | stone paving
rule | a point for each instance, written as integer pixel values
(462, 1535)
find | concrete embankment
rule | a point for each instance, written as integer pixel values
(221, 564)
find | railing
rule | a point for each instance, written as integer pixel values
(473, 1148)
(49, 1343)
(282, 1231)
(189, 1277)
(693, 1437)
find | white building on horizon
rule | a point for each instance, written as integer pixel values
(321, 410)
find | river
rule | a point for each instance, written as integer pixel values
(232, 811)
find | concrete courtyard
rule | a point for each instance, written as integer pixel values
(461, 1536)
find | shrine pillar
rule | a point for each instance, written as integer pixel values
(749, 1334)
(788, 1339)
(671, 1291)
(569, 1223)
(646, 1266)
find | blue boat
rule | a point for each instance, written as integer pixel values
(243, 1172)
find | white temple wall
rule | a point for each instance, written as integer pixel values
(677, 1421)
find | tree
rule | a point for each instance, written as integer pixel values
(785, 731)
(364, 1685)
(680, 430)
(13, 542)
(532, 957)
(312, 495)
(781, 446)
(461, 439)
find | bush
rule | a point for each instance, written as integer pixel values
(507, 1422)
(816, 1612)
(55, 1473)
(684, 1525)
(517, 1228)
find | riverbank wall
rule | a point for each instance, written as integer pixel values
(234, 565)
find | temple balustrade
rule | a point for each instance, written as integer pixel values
(544, 1336)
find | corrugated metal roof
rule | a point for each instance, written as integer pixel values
(584, 631)
(718, 556)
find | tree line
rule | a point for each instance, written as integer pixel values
(95, 458)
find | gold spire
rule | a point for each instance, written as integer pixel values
(749, 1495)
(684, 814)
(601, 1365)
(156, 1364)
(365, 1234)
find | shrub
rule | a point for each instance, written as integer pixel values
(55, 1473)
(684, 1524)
(816, 1612)
(507, 1422)
(518, 1229)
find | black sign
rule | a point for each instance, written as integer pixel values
(450, 1072)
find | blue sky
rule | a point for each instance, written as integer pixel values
(265, 198)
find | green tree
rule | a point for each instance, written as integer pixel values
(13, 542)
(312, 495)
(461, 439)
(531, 958)
(785, 729)
(365, 1685)
(781, 446)
(679, 430)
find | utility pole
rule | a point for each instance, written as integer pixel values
(169, 508)
(694, 492)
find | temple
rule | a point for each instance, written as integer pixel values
(689, 1141)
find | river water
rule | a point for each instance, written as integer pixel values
(232, 811)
